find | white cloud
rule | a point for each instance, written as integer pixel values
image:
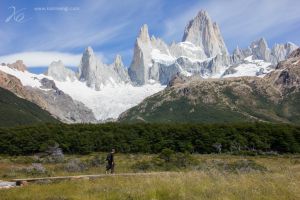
(41, 59)
(44, 58)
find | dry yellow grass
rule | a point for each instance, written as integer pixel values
(281, 181)
(188, 185)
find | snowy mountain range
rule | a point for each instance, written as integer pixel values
(101, 92)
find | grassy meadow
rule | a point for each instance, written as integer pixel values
(213, 176)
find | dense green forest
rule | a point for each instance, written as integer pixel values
(17, 111)
(152, 138)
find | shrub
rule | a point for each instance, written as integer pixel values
(96, 161)
(167, 155)
(75, 165)
(35, 169)
(167, 160)
(240, 166)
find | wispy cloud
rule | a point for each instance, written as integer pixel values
(41, 59)
(111, 27)
(108, 26)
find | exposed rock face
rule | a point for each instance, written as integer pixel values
(141, 63)
(260, 50)
(202, 32)
(12, 84)
(178, 79)
(121, 71)
(295, 53)
(62, 105)
(89, 68)
(19, 65)
(97, 74)
(286, 77)
(281, 52)
(258, 57)
(59, 72)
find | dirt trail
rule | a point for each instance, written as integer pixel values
(25, 181)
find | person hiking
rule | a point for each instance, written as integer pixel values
(110, 162)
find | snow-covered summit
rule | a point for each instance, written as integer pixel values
(59, 72)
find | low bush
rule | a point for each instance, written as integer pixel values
(167, 160)
(75, 165)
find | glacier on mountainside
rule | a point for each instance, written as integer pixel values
(107, 103)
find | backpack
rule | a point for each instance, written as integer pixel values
(108, 157)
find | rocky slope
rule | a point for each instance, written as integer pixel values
(273, 98)
(44, 93)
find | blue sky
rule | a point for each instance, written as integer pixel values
(111, 26)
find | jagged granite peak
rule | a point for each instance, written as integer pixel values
(282, 51)
(201, 31)
(237, 55)
(88, 64)
(97, 74)
(120, 69)
(144, 34)
(18, 65)
(59, 72)
(92, 70)
(118, 61)
(139, 68)
(260, 50)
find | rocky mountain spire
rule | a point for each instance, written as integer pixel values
(18, 65)
(282, 51)
(144, 34)
(260, 50)
(118, 61)
(139, 68)
(97, 74)
(120, 69)
(88, 67)
(202, 32)
(59, 72)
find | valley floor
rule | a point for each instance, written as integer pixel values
(213, 177)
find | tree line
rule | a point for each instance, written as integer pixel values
(152, 138)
